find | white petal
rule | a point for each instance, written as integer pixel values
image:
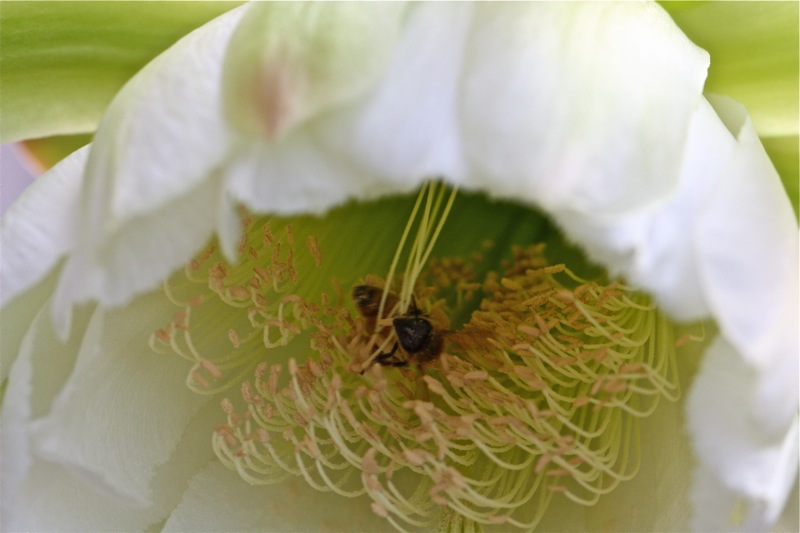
(17, 459)
(38, 229)
(124, 408)
(296, 176)
(725, 245)
(755, 470)
(140, 255)
(151, 189)
(38, 495)
(39, 370)
(287, 62)
(790, 519)
(749, 267)
(383, 144)
(219, 500)
(52, 498)
(151, 195)
(716, 508)
(581, 106)
(229, 226)
(488, 71)
(164, 133)
(654, 246)
(408, 127)
(17, 318)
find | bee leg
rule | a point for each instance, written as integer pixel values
(389, 359)
(386, 359)
(394, 362)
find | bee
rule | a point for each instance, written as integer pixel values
(417, 337)
(368, 301)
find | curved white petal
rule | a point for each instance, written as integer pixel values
(149, 196)
(17, 317)
(39, 495)
(749, 266)
(141, 254)
(39, 229)
(15, 441)
(790, 518)
(500, 73)
(581, 106)
(290, 505)
(124, 408)
(408, 127)
(41, 491)
(745, 475)
(52, 498)
(289, 61)
(35, 378)
(654, 246)
(296, 176)
(724, 245)
(403, 130)
(163, 134)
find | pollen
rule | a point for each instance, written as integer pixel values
(537, 394)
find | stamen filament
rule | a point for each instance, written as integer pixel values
(537, 396)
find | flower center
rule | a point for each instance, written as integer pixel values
(538, 395)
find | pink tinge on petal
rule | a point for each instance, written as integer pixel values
(289, 62)
(277, 96)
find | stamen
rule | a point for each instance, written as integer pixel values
(528, 402)
(253, 315)
(536, 395)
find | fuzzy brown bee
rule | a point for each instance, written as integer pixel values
(417, 337)
(368, 301)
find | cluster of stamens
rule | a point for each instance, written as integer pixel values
(258, 310)
(538, 395)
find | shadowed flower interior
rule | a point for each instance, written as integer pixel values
(537, 393)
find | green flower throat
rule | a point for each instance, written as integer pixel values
(536, 393)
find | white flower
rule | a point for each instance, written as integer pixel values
(593, 113)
